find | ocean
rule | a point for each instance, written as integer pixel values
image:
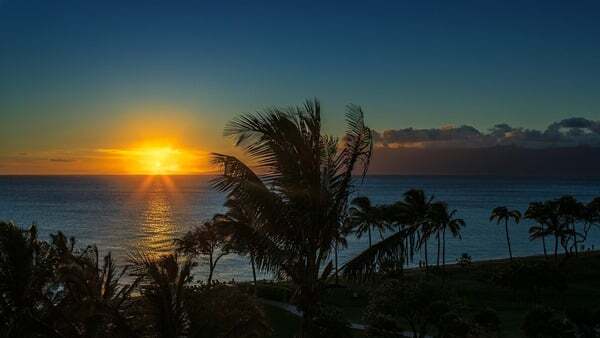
(121, 213)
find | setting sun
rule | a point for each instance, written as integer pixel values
(159, 161)
(156, 158)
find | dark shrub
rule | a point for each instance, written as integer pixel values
(544, 322)
(487, 319)
(224, 311)
(330, 323)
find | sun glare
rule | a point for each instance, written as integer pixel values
(160, 161)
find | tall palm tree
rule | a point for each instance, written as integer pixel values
(364, 217)
(538, 213)
(415, 210)
(443, 219)
(208, 240)
(501, 214)
(300, 190)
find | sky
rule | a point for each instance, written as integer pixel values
(85, 86)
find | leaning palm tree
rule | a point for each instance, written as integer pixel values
(364, 217)
(300, 190)
(504, 214)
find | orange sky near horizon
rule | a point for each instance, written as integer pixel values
(151, 159)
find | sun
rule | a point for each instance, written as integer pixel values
(159, 160)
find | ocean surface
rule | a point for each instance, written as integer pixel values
(120, 213)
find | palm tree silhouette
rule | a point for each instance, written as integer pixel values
(415, 210)
(538, 213)
(364, 216)
(410, 217)
(504, 214)
(163, 283)
(301, 193)
(241, 230)
(571, 211)
(443, 219)
(26, 269)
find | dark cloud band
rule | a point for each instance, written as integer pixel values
(569, 132)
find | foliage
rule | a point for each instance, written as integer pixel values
(25, 271)
(329, 322)
(529, 279)
(164, 280)
(487, 319)
(421, 304)
(224, 311)
(273, 292)
(547, 323)
(207, 240)
(464, 260)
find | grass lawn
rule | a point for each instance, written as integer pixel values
(475, 287)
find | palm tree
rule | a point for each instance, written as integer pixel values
(26, 270)
(301, 192)
(208, 240)
(415, 211)
(163, 289)
(241, 230)
(95, 300)
(364, 217)
(571, 211)
(410, 217)
(504, 214)
(538, 213)
(443, 219)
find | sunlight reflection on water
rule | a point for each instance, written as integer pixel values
(157, 227)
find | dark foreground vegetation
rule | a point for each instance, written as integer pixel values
(290, 213)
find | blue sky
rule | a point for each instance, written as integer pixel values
(72, 73)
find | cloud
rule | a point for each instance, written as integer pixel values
(575, 131)
(65, 160)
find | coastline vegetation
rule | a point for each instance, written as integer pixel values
(289, 213)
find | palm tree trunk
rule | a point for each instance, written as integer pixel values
(426, 257)
(369, 230)
(444, 247)
(575, 239)
(337, 281)
(253, 270)
(210, 269)
(438, 249)
(544, 243)
(555, 247)
(508, 239)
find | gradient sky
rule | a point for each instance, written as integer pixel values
(77, 77)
